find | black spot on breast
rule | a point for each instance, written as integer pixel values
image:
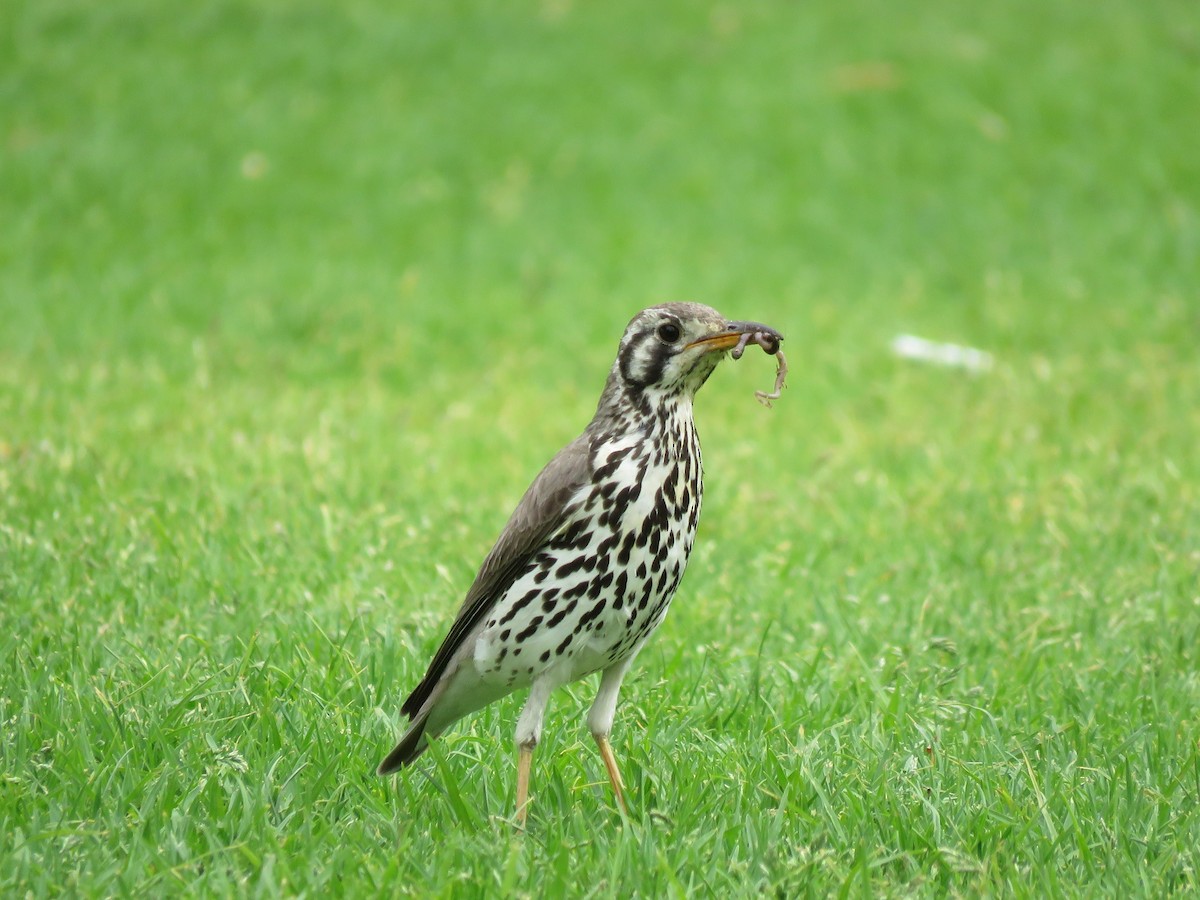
(598, 584)
(577, 591)
(645, 599)
(619, 586)
(627, 548)
(587, 620)
(577, 536)
(612, 463)
(620, 503)
(668, 488)
(519, 605)
(643, 535)
(605, 547)
(583, 561)
(553, 621)
(530, 629)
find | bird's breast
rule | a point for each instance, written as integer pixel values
(599, 586)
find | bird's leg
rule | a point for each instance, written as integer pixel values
(614, 774)
(524, 759)
(529, 732)
(600, 719)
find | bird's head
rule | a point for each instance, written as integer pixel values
(670, 350)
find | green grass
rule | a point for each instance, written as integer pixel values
(296, 297)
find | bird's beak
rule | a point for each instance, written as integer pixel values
(731, 335)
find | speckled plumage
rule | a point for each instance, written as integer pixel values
(586, 567)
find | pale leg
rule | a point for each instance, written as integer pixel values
(600, 720)
(529, 732)
(614, 774)
(524, 758)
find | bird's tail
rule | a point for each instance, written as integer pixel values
(412, 745)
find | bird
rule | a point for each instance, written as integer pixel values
(585, 568)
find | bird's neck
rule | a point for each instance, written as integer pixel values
(644, 414)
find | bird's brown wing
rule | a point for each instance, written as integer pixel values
(541, 512)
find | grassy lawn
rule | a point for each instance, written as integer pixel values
(296, 297)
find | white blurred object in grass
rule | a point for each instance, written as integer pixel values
(908, 346)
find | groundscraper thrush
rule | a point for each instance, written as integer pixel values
(586, 567)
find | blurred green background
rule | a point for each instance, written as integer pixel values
(295, 298)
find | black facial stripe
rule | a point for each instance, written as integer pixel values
(629, 355)
(645, 348)
(659, 355)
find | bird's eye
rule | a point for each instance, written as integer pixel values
(669, 332)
